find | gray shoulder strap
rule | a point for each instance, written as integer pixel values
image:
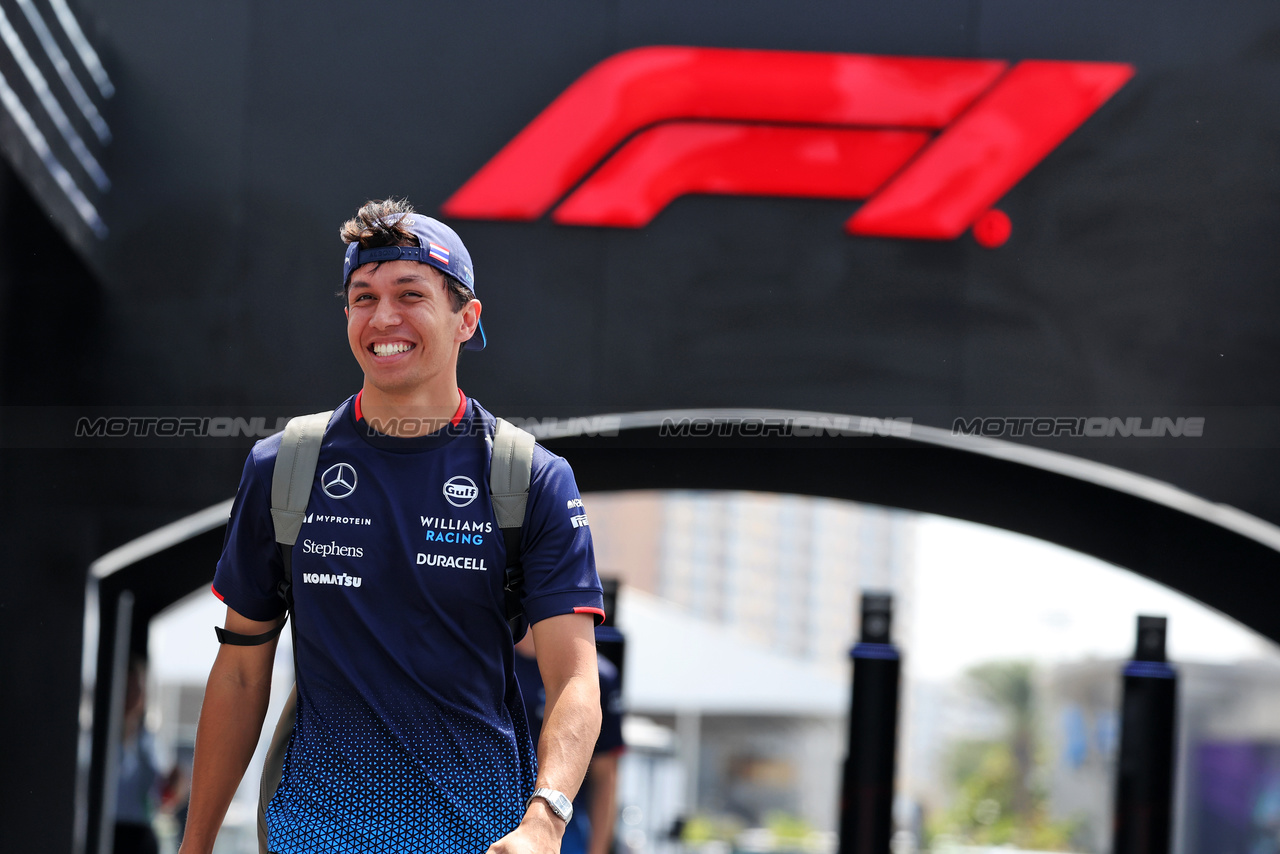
(509, 473)
(294, 472)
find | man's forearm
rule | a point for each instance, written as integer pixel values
(567, 661)
(569, 732)
(230, 724)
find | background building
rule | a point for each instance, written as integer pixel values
(742, 646)
(784, 571)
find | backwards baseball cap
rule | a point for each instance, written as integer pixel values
(439, 245)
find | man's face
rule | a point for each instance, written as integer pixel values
(402, 327)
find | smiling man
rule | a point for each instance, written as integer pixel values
(410, 732)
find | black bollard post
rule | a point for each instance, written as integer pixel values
(866, 808)
(1148, 731)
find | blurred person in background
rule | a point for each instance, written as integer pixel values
(138, 784)
(595, 807)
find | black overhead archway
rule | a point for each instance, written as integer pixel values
(1217, 554)
(1221, 556)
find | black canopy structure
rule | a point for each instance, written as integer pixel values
(1056, 497)
(1076, 324)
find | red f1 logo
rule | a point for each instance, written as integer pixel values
(931, 144)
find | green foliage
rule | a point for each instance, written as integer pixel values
(782, 831)
(790, 830)
(707, 828)
(1008, 685)
(997, 801)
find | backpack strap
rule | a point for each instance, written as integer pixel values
(294, 473)
(291, 483)
(510, 471)
(291, 480)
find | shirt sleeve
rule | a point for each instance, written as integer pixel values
(250, 569)
(559, 564)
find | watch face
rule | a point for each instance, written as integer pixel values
(562, 805)
(559, 804)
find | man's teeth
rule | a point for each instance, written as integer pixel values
(391, 349)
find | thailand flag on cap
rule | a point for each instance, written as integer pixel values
(438, 252)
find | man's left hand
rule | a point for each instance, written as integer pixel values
(539, 832)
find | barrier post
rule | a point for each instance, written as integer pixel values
(1148, 728)
(866, 808)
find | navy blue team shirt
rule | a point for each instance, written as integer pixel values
(411, 734)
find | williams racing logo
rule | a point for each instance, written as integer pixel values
(439, 529)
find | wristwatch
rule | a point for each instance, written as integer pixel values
(560, 805)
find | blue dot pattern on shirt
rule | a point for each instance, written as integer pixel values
(448, 791)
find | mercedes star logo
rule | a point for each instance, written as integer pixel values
(338, 481)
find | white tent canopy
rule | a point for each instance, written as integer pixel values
(677, 662)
